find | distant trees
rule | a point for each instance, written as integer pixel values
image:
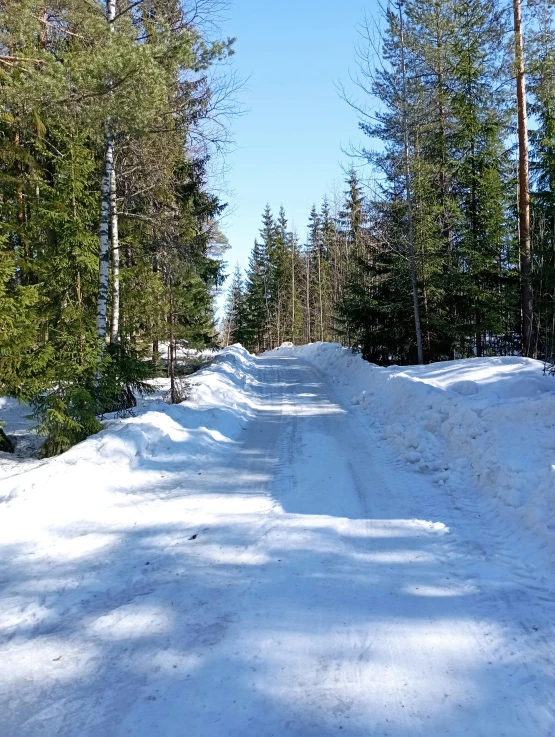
(287, 294)
(451, 253)
(234, 324)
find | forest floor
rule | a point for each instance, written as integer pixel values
(274, 558)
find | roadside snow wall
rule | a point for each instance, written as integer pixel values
(128, 451)
(492, 417)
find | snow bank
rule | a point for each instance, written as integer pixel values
(492, 418)
(219, 407)
(19, 428)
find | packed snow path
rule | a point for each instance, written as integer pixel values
(303, 582)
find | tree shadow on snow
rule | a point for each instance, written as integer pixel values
(256, 608)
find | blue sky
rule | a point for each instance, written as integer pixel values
(288, 143)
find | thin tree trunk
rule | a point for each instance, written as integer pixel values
(412, 257)
(114, 327)
(20, 207)
(155, 356)
(278, 318)
(308, 325)
(474, 203)
(104, 229)
(171, 353)
(104, 237)
(155, 341)
(527, 304)
(320, 294)
(293, 291)
(446, 228)
(228, 333)
(78, 285)
(42, 32)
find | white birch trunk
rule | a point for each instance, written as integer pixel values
(104, 228)
(114, 327)
(104, 237)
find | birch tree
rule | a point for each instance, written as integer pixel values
(108, 184)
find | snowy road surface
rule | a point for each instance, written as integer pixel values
(301, 582)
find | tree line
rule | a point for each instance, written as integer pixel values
(447, 249)
(292, 288)
(109, 237)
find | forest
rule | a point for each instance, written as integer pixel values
(110, 242)
(311, 494)
(442, 244)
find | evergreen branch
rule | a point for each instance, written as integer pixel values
(59, 28)
(14, 59)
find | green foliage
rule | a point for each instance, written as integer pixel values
(21, 365)
(234, 324)
(124, 375)
(287, 293)
(67, 77)
(66, 415)
(461, 185)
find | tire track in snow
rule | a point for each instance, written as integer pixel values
(523, 591)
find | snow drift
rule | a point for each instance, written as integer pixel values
(184, 433)
(486, 420)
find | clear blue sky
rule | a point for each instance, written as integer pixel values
(290, 139)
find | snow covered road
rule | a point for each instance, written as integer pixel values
(300, 581)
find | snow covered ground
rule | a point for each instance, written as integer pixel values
(490, 420)
(306, 548)
(20, 429)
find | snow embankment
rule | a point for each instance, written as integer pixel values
(491, 417)
(16, 421)
(128, 450)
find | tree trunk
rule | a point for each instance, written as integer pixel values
(410, 235)
(320, 294)
(155, 356)
(172, 353)
(114, 327)
(278, 319)
(104, 237)
(104, 229)
(308, 325)
(42, 32)
(527, 304)
(293, 291)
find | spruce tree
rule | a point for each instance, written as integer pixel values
(72, 76)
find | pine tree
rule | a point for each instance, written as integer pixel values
(527, 302)
(78, 86)
(542, 88)
(234, 322)
(256, 304)
(446, 188)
